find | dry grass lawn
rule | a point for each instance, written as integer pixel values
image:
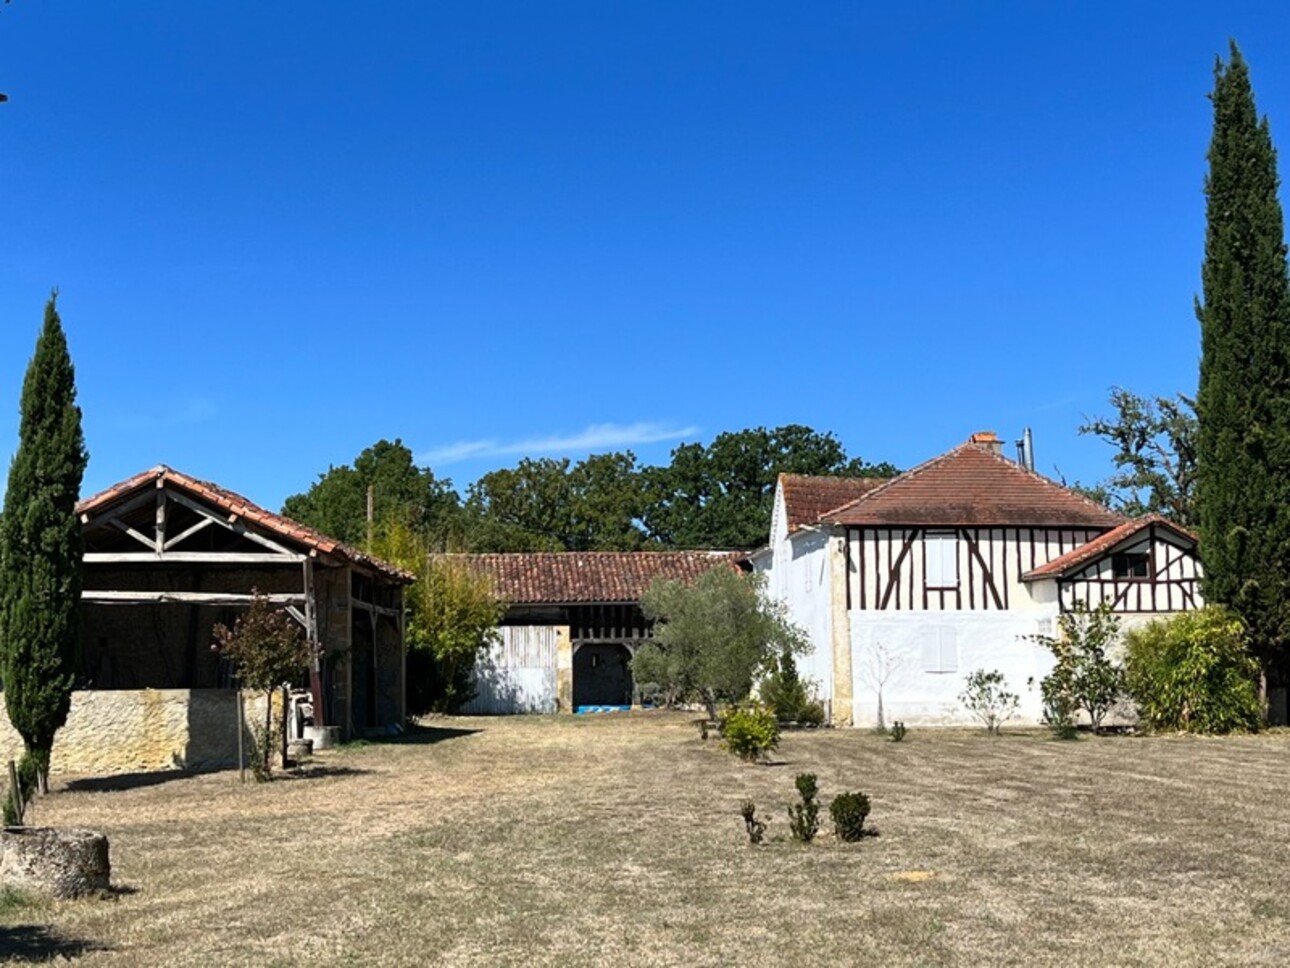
(616, 840)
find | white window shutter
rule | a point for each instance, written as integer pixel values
(934, 564)
(931, 650)
(950, 559)
(949, 649)
(941, 560)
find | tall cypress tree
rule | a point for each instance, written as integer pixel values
(1243, 403)
(40, 550)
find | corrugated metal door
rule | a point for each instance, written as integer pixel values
(517, 673)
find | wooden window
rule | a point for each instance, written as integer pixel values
(941, 559)
(1131, 564)
(940, 649)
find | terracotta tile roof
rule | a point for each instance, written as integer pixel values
(973, 485)
(247, 511)
(1099, 546)
(806, 497)
(590, 576)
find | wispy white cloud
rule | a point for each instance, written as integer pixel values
(595, 437)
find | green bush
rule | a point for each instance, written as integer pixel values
(750, 732)
(804, 818)
(898, 731)
(1194, 672)
(755, 828)
(812, 714)
(848, 811)
(986, 697)
(784, 692)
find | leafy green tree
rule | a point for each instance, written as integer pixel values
(720, 496)
(452, 616)
(1194, 672)
(455, 617)
(552, 505)
(1243, 403)
(268, 649)
(1083, 677)
(336, 504)
(528, 507)
(713, 637)
(1155, 455)
(40, 551)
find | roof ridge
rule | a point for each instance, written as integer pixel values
(275, 522)
(958, 449)
(903, 476)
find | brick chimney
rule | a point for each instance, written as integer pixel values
(987, 439)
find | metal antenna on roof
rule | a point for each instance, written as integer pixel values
(1026, 450)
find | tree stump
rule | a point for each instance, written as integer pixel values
(56, 862)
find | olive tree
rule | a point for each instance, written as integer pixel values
(712, 638)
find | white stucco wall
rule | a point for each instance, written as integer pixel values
(984, 640)
(796, 570)
(805, 567)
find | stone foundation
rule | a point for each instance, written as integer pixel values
(145, 730)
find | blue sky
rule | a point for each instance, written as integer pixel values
(283, 231)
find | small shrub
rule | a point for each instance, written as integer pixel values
(848, 811)
(750, 732)
(755, 828)
(804, 818)
(987, 698)
(784, 691)
(1194, 672)
(898, 731)
(1059, 706)
(812, 714)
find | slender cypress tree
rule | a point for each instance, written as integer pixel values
(1243, 403)
(40, 550)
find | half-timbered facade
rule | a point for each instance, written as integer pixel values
(910, 584)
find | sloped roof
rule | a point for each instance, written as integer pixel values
(973, 485)
(590, 576)
(806, 496)
(236, 504)
(1077, 558)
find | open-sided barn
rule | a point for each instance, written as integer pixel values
(167, 557)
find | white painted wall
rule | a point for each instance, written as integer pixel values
(984, 640)
(797, 573)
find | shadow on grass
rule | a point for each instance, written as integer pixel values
(37, 943)
(417, 736)
(126, 781)
(316, 772)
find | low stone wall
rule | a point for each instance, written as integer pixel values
(144, 730)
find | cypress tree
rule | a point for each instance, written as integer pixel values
(1243, 444)
(40, 550)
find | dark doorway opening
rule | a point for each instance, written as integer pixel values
(602, 675)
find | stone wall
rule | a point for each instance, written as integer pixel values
(145, 730)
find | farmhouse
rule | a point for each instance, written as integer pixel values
(908, 585)
(167, 557)
(572, 623)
